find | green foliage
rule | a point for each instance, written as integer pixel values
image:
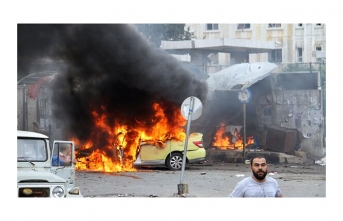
(155, 33)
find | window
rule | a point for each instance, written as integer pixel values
(275, 56)
(318, 54)
(211, 26)
(62, 154)
(31, 149)
(243, 26)
(274, 25)
(300, 55)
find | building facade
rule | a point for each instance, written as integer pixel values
(218, 46)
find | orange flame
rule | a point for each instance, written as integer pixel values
(119, 151)
(224, 141)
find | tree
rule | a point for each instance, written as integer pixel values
(155, 33)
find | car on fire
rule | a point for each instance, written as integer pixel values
(170, 153)
(36, 175)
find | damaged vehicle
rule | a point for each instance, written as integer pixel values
(170, 153)
(36, 176)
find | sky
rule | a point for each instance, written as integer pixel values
(37, 11)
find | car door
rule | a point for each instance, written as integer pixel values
(151, 152)
(65, 171)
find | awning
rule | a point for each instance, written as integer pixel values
(239, 76)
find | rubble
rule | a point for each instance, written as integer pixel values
(321, 162)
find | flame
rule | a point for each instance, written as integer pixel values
(114, 149)
(224, 142)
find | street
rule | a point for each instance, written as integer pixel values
(203, 180)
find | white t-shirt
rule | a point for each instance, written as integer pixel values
(248, 187)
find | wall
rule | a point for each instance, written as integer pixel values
(298, 106)
(288, 37)
(302, 110)
(25, 118)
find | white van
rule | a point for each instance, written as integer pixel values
(36, 176)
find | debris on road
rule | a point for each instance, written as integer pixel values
(321, 162)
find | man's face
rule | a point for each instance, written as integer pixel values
(259, 168)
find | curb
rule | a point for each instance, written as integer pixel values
(236, 156)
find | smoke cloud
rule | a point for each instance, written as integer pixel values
(107, 68)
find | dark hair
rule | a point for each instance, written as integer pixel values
(256, 156)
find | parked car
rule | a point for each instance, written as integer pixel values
(170, 153)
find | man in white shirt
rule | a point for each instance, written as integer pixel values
(257, 185)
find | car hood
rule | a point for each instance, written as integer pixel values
(34, 176)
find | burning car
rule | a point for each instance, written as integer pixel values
(170, 153)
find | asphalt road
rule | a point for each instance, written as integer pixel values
(202, 180)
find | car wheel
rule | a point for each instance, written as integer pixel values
(174, 161)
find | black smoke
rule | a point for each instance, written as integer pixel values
(107, 68)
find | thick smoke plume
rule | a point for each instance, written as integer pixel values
(107, 68)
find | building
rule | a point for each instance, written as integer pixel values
(217, 46)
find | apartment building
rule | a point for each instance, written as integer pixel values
(216, 46)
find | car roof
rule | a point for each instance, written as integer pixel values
(21, 133)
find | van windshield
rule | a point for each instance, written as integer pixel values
(31, 150)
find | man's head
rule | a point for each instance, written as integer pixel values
(64, 149)
(259, 167)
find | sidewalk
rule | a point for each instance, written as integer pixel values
(236, 156)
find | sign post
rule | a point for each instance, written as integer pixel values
(244, 96)
(191, 109)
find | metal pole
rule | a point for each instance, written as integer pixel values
(244, 135)
(191, 107)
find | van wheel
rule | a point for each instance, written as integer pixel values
(174, 161)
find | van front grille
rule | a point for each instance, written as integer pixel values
(34, 192)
